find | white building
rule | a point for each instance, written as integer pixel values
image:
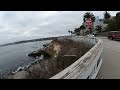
(100, 22)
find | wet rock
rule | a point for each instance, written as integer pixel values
(45, 45)
(18, 75)
(39, 53)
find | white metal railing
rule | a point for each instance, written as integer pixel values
(88, 65)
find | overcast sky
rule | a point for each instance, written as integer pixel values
(23, 25)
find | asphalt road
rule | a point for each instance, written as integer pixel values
(110, 68)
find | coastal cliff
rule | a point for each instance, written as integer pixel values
(57, 55)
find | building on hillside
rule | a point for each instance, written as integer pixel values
(100, 22)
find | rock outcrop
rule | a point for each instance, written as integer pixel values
(60, 54)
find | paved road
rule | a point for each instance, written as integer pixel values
(110, 68)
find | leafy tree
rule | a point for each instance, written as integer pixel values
(77, 31)
(114, 25)
(118, 15)
(82, 27)
(98, 28)
(106, 15)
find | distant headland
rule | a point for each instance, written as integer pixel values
(33, 40)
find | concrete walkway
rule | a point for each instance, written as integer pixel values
(110, 68)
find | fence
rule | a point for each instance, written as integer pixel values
(88, 65)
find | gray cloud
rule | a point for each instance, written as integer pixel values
(20, 25)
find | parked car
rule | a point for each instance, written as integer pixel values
(114, 35)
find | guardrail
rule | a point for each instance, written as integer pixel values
(88, 65)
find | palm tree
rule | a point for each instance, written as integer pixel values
(82, 27)
(89, 15)
(106, 15)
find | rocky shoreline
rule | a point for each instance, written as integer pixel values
(51, 59)
(37, 60)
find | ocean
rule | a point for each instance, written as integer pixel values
(14, 56)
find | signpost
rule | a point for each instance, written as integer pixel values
(88, 22)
